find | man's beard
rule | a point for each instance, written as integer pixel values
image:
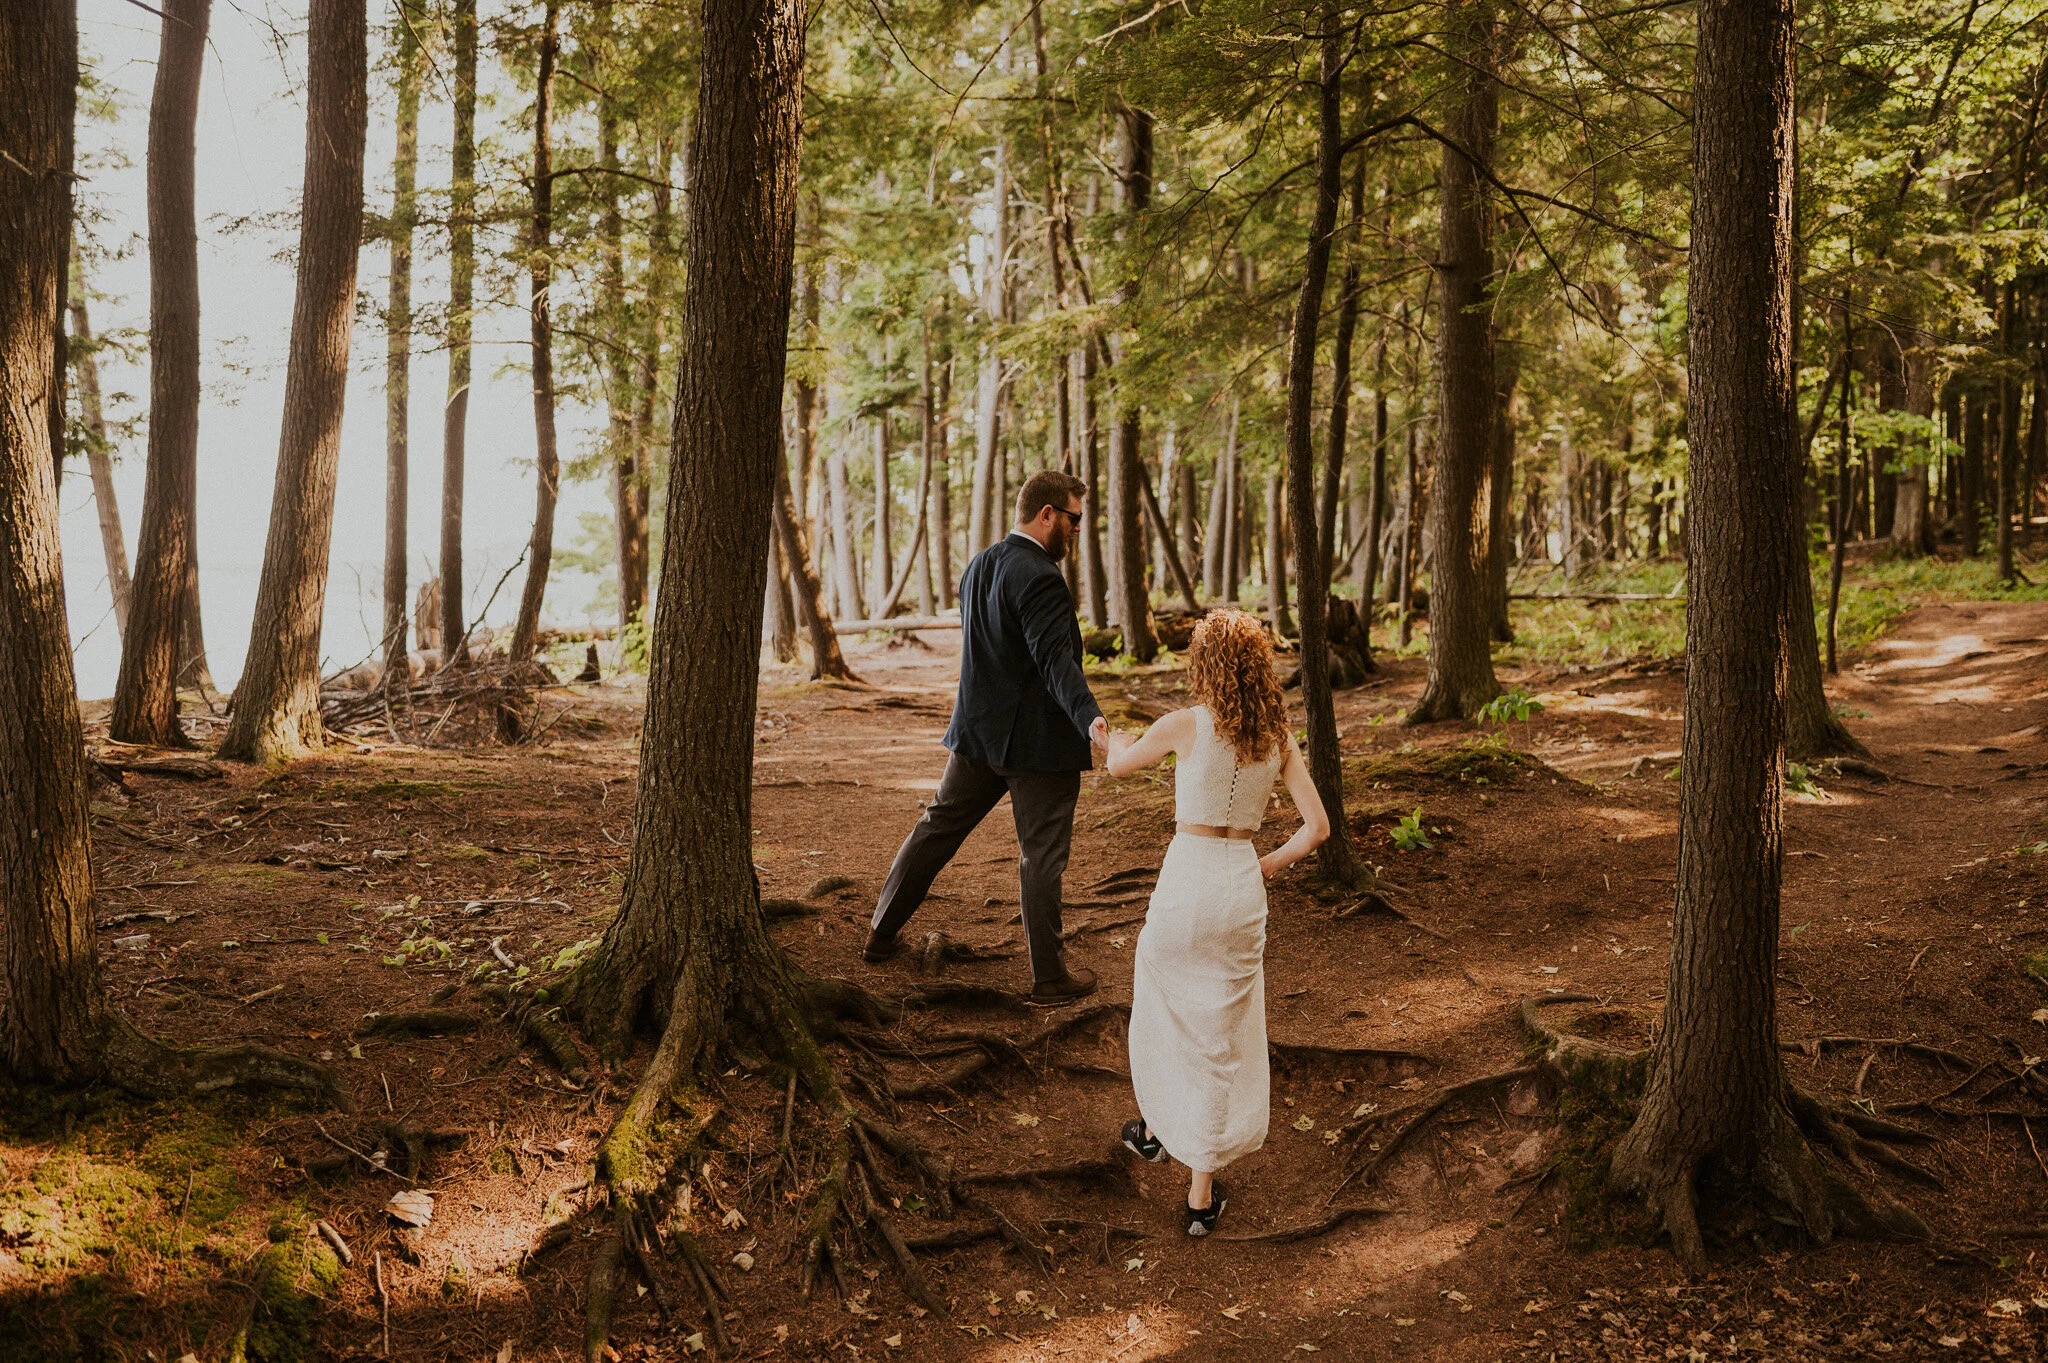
(1056, 542)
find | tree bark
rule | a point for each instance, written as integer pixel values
(1461, 676)
(99, 458)
(2008, 434)
(1500, 482)
(398, 348)
(1094, 572)
(689, 950)
(881, 562)
(1716, 1099)
(540, 551)
(1334, 449)
(1312, 560)
(826, 658)
(623, 393)
(942, 486)
(1375, 507)
(277, 701)
(1277, 533)
(634, 481)
(154, 648)
(454, 641)
(52, 1010)
(985, 511)
(1131, 603)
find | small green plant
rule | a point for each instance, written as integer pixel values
(1799, 780)
(1515, 705)
(635, 643)
(1409, 835)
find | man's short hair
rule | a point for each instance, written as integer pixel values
(1047, 487)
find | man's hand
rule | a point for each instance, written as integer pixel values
(1098, 734)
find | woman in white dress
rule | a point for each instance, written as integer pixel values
(1198, 996)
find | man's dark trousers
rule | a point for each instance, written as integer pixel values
(1043, 804)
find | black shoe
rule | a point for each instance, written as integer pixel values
(1203, 1222)
(1142, 1143)
(879, 948)
(1078, 984)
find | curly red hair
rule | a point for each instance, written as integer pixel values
(1230, 670)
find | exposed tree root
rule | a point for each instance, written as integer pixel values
(1111, 1172)
(963, 1236)
(1350, 1052)
(1659, 1167)
(423, 1022)
(1378, 900)
(980, 1050)
(933, 993)
(601, 1286)
(1369, 1169)
(939, 948)
(776, 910)
(1820, 1045)
(530, 1019)
(1130, 875)
(1287, 1235)
(140, 1064)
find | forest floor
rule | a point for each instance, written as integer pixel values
(291, 905)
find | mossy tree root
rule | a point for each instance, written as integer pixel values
(1661, 1162)
(531, 1019)
(139, 1064)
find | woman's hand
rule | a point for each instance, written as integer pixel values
(1270, 865)
(1117, 740)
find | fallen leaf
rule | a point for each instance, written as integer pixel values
(1950, 1341)
(1455, 1296)
(1308, 1348)
(1410, 1084)
(1363, 1108)
(1304, 1123)
(743, 1261)
(505, 1354)
(781, 1334)
(694, 1344)
(1024, 1119)
(1531, 1308)
(1133, 1265)
(2041, 1015)
(1131, 1323)
(2006, 1306)
(1405, 1320)
(1331, 1135)
(1234, 1312)
(413, 1207)
(894, 1341)
(732, 1220)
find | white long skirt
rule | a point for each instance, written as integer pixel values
(1198, 1004)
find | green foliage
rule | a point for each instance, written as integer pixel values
(1799, 780)
(1409, 835)
(1516, 705)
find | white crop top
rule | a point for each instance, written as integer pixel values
(1209, 787)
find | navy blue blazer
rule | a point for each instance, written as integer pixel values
(1023, 704)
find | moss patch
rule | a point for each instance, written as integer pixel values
(1477, 761)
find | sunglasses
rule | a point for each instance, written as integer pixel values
(1073, 516)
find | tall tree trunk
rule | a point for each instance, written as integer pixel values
(1277, 529)
(985, 511)
(398, 346)
(52, 1009)
(1402, 581)
(2008, 434)
(634, 482)
(1461, 676)
(1184, 515)
(1312, 560)
(277, 701)
(942, 485)
(697, 749)
(1973, 472)
(1334, 451)
(1131, 605)
(628, 479)
(882, 561)
(845, 573)
(1715, 1105)
(778, 618)
(1094, 571)
(1216, 532)
(99, 458)
(454, 640)
(540, 550)
(154, 651)
(1367, 580)
(1500, 482)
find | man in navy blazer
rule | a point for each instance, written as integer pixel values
(1024, 724)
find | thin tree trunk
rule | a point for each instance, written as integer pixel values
(826, 658)
(1404, 578)
(628, 479)
(1184, 515)
(635, 484)
(942, 485)
(1094, 572)
(277, 701)
(880, 562)
(1277, 531)
(1840, 503)
(1334, 451)
(1132, 607)
(1500, 482)
(52, 1009)
(454, 640)
(985, 512)
(697, 748)
(778, 619)
(2008, 436)
(1215, 534)
(540, 551)
(1313, 560)
(99, 458)
(846, 576)
(1461, 676)
(398, 348)
(154, 648)
(1375, 507)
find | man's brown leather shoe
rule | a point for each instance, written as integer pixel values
(1078, 984)
(879, 948)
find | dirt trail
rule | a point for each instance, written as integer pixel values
(1907, 914)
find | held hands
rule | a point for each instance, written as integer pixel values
(1098, 734)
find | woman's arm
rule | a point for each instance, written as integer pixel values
(1169, 733)
(1315, 823)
